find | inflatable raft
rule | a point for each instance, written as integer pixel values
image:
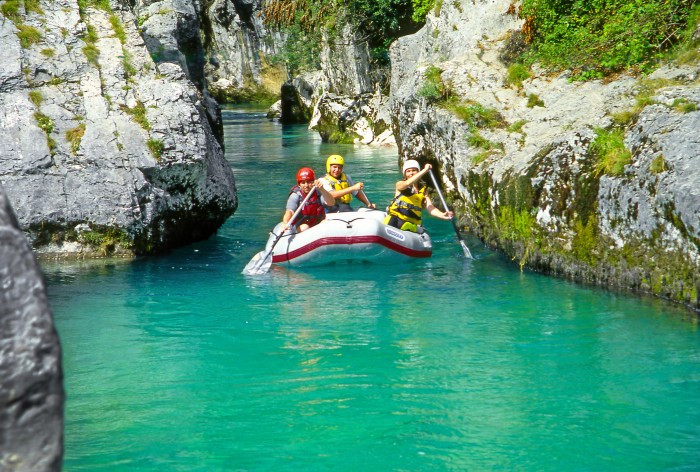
(350, 236)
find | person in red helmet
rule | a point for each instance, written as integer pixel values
(313, 212)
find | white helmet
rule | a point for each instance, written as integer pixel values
(410, 164)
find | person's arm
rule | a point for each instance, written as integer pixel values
(352, 187)
(435, 211)
(287, 216)
(328, 198)
(292, 204)
(402, 185)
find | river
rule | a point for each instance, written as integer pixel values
(181, 363)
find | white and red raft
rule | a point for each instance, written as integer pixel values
(349, 236)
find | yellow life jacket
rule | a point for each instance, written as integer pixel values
(408, 205)
(340, 184)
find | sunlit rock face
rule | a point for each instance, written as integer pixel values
(530, 184)
(108, 145)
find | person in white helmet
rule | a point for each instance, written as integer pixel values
(405, 210)
(341, 186)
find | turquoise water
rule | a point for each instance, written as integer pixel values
(181, 363)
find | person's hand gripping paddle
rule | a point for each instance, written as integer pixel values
(467, 252)
(261, 262)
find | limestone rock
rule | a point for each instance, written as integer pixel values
(529, 183)
(31, 377)
(100, 134)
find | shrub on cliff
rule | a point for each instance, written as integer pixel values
(378, 22)
(594, 38)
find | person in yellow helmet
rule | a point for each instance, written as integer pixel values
(409, 200)
(341, 186)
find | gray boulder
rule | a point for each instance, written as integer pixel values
(31, 377)
(102, 149)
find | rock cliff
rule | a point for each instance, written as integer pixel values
(520, 159)
(31, 377)
(240, 51)
(107, 145)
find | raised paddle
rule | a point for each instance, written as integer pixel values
(261, 262)
(467, 253)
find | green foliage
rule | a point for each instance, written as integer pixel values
(47, 125)
(36, 98)
(92, 54)
(48, 52)
(646, 88)
(28, 35)
(534, 100)
(91, 36)
(515, 224)
(10, 10)
(118, 28)
(301, 51)
(433, 88)
(516, 127)
(90, 50)
(475, 115)
(44, 122)
(609, 148)
(683, 105)
(75, 136)
(156, 147)
(138, 113)
(477, 140)
(98, 4)
(516, 74)
(129, 69)
(106, 240)
(421, 8)
(302, 22)
(597, 37)
(585, 240)
(33, 6)
(658, 165)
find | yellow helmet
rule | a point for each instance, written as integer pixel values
(334, 159)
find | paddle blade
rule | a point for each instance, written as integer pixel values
(467, 252)
(259, 264)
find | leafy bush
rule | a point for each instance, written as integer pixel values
(433, 88)
(598, 37)
(421, 8)
(379, 22)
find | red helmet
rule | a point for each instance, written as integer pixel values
(305, 173)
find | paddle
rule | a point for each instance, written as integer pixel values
(261, 262)
(369, 203)
(467, 252)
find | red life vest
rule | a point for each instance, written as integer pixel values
(313, 212)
